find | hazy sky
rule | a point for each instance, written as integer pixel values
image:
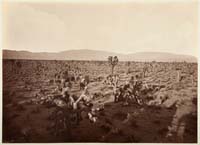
(128, 27)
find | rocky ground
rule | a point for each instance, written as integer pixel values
(169, 114)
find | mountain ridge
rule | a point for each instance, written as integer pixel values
(87, 54)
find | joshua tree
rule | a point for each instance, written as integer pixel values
(128, 67)
(178, 71)
(191, 72)
(151, 66)
(145, 70)
(113, 62)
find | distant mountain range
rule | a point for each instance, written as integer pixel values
(85, 54)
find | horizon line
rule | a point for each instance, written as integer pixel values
(120, 53)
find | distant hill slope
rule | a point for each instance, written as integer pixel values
(160, 56)
(85, 54)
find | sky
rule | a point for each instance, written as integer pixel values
(123, 27)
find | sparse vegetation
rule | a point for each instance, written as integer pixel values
(168, 92)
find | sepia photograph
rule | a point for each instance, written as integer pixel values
(99, 71)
